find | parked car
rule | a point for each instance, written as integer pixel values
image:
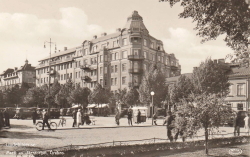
(63, 111)
(54, 113)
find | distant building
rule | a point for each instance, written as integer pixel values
(115, 61)
(239, 96)
(11, 77)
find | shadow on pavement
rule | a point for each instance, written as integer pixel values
(22, 127)
(23, 135)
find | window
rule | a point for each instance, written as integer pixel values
(116, 56)
(145, 54)
(67, 76)
(145, 42)
(123, 80)
(70, 75)
(112, 81)
(79, 74)
(152, 45)
(115, 81)
(124, 41)
(58, 67)
(135, 65)
(136, 52)
(124, 67)
(229, 105)
(41, 80)
(61, 77)
(101, 81)
(116, 68)
(85, 52)
(162, 59)
(240, 106)
(124, 54)
(64, 76)
(47, 79)
(76, 74)
(240, 89)
(105, 70)
(101, 69)
(112, 69)
(230, 89)
(100, 58)
(105, 58)
(61, 66)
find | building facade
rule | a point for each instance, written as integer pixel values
(239, 96)
(118, 60)
(11, 77)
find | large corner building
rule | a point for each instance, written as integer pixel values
(115, 60)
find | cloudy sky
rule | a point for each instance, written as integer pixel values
(25, 26)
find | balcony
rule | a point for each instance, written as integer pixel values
(135, 71)
(174, 67)
(135, 57)
(51, 72)
(85, 67)
(133, 84)
(86, 78)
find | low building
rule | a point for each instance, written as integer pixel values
(116, 61)
(239, 96)
(11, 77)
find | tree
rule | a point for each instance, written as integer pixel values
(155, 81)
(99, 95)
(132, 97)
(181, 89)
(201, 111)
(35, 97)
(79, 96)
(221, 17)
(1, 99)
(211, 78)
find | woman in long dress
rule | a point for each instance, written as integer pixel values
(79, 118)
(246, 126)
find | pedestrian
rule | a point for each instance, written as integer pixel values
(45, 117)
(34, 116)
(6, 117)
(155, 118)
(237, 124)
(74, 117)
(130, 115)
(138, 117)
(79, 118)
(169, 121)
(246, 126)
(180, 124)
(117, 117)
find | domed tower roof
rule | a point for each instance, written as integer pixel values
(135, 22)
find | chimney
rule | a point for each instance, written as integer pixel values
(118, 29)
(15, 68)
(215, 61)
(104, 34)
(221, 60)
(65, 48)
(95, 36)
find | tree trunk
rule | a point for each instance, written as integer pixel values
(98, 110)
(206, 140)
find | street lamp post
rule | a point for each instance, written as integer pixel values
(152, 94)
(49, 72)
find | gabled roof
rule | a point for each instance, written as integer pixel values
(239, 71)
(9, 70)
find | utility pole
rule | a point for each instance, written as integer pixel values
(49, 72)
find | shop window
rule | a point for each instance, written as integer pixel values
(240, 106)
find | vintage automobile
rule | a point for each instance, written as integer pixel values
(54, 113)
(24, 112)
(69, 112)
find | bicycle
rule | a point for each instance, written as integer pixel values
(39, 125)
(62, 122)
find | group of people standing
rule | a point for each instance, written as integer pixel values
(80, 118)
(238, 123)
(129, 116)
(4, 118)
